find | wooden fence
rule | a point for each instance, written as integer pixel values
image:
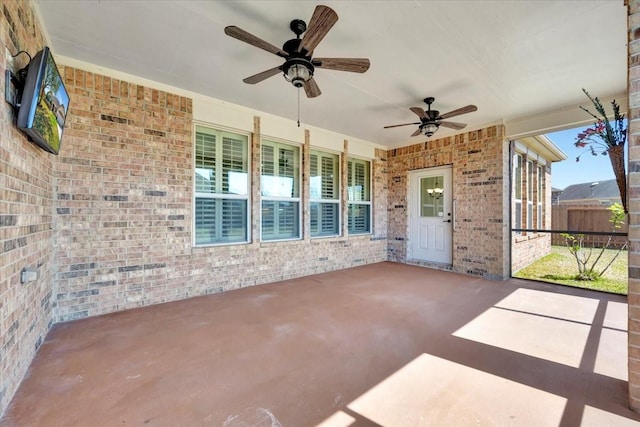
(585, 218)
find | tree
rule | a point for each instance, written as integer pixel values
(587, 270)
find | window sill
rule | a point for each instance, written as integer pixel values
(218, 245)
(360, 234)
(332, 236)
(296, 239)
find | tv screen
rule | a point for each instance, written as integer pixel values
(44, 103)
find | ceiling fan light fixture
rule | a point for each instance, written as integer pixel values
(298, 71)
(428, 129)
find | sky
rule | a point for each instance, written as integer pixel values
(589, 169)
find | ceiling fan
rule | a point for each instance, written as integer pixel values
(431, 120)
(299, 65)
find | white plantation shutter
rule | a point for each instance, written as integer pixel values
(324, 219)
(359, 196)
(280, 183)
(234, 159)
(234, 219)
(314, 218)
(221, 187)
(268, 160)
(324, 199)
(205, 162)
(268, 219)
(330, 219)
(358, 218)
(329, 174)
(287, 219)
(205, 218)
(285, 162)
(313, 163)
(358, 182)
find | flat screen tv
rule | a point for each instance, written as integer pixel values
(44, 103)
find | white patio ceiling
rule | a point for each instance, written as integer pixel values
(521, 62)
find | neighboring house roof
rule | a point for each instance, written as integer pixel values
(591, 190)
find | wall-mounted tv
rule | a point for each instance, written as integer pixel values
(44, 102)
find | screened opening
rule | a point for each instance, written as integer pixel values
(567, 233)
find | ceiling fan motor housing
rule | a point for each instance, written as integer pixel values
(298, 71)
(429, 128)
(298, 67)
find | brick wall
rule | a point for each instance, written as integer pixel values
(123, 196)
(634, 203)
(26, 231)
(480, 162)
(124, 209)
(380, 191)
(529, 248)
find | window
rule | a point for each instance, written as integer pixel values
(359, 196)
(530, 194)
(324, 195)
(431, 200)
(221, 187)
(280, 189)
(540, 196)
(517, 179)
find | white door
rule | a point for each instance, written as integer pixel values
(431, 215)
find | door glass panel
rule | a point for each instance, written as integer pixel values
(432, 196)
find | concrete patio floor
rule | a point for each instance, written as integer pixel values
(378, 345)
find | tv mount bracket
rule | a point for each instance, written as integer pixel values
(14, 83)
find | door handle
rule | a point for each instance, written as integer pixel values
(453, 213)
(447, 220)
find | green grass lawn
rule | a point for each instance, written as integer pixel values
(559, 266)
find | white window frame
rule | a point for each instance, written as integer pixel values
(219, 133)
(296, 185)
(529, 187)
(540, 198)
(518, 161)
(321, 200)
(350, 195)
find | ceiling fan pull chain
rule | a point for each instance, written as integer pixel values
(298, 107)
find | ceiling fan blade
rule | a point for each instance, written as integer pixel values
(242, 35)
(463, 110)
(419, 112)
(321, 21)
(354, 65)
(311, 88)
(257, 78)
(404, 124)
(453, 125)
(416, 133)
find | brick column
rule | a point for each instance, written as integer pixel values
(344, 160)
(304, 191)
(256, 169)
(634, 202)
